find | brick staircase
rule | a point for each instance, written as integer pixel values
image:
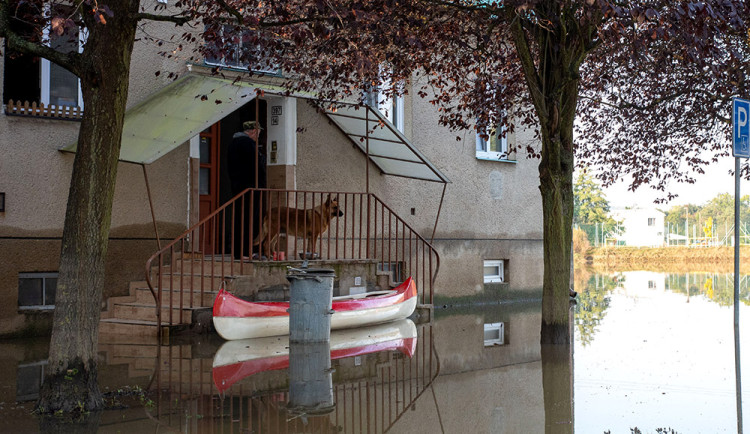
(134, 314)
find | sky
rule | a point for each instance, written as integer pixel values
(715, 181)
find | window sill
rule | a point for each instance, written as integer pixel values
(237, 68)
(36, 308)
(497, 160)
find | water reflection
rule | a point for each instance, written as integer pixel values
(376, 375)
(643, 356)
(656, 350)
(557, 377)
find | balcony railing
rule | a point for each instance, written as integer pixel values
(264, 225)
(33, 109)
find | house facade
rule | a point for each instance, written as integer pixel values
(477, 205)
(641, 227)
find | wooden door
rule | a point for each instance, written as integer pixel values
(208, 186)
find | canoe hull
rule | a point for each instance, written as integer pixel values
(239, 359)
(347, 314)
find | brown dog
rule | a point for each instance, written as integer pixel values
(307, 223)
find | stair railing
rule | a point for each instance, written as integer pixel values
(264, 225)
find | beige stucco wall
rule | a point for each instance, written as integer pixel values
(473, 226)
(35, 177)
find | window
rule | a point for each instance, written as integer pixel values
(240, 49)
(31, 79)
(391, 108)
(37, 290)
(494, 334)
(651, 221)
(494, 271)
(495, 147)
(29, 378)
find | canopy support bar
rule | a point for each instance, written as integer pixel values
(437, 217)
(151, 205)
(367, 151)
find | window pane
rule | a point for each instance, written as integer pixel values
(495, 143)
(204, 186)
(481, 144)
(29, 291)
(50, 290)
(28, 382)
(63, 86)
(491, 334)
(205, 150)
(492, 271)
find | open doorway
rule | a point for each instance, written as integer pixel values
(214, 182)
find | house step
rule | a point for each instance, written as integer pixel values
(129, 327)
(216, 267)
(148, 312)
(143, 295)
(125, 351)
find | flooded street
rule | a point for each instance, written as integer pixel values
(657, 350)
(652, 350)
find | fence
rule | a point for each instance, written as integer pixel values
(25, 108)
(261, 225)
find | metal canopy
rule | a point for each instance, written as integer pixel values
(176, 113)
(184, 108)
(386, 147)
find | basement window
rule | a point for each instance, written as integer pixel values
(36, 291)
(29, 378)
(494, 271)
(494, 334)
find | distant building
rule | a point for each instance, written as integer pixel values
(641, 227)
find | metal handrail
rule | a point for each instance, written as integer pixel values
(368, 229)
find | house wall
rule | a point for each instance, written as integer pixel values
(491, 209)
(636, 230)
(35, 177)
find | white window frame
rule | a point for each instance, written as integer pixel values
(45, 65)
(498, 327)
(483, 144)
(44, 277)
(391, 108)
(494, 278)
(237, 65)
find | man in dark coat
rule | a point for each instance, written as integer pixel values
(246, 169)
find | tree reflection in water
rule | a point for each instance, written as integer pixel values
(593, 301)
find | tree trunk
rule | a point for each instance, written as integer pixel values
(552, 77)
(556, 185)
(70, 384)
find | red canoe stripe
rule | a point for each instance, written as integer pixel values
(227, 305)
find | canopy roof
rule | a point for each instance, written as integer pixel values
(388, 148)
(184, 108)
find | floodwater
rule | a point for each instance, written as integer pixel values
(651, 351)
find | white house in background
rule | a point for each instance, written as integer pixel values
(641, 227)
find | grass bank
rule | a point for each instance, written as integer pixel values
(663, 258)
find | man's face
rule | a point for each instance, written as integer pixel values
(254, 133)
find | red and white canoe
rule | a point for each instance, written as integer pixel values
(235, 318)
(236, 360)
